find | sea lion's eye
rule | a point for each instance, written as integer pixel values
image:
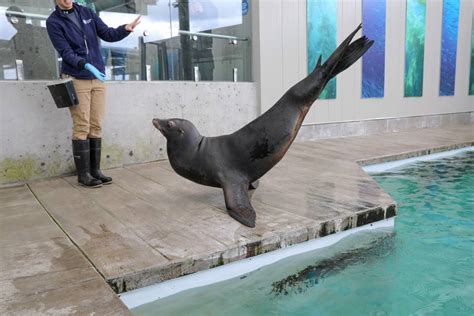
(170, 124)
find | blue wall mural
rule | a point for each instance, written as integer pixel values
(414, 47)
(373, 62)
(321, 37)
(471, 75)
(449, 42)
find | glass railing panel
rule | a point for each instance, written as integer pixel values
(157, 50)
(123, 59)
(25, 50)
(211, 42)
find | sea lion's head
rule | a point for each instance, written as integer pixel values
(178, 132)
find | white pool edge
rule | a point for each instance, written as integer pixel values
(382, 167)
(231, 270)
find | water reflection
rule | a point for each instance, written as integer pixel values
(311, 275)
(292, 286)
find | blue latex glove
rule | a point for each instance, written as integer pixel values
(99, 75)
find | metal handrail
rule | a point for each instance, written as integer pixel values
(27, 15)
(228, 37)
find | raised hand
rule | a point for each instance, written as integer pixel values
(130, 27)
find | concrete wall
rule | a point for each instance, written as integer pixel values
(35, 136)
(384, 125)
(283, 60)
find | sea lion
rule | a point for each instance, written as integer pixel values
(236, 161)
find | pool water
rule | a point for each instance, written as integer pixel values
(424, 266)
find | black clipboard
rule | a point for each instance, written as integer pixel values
(63, 93)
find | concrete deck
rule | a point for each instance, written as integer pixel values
(152, 225)
(41, 271)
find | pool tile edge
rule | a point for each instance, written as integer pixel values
(252, 248)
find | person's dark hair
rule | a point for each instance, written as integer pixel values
(10, 12)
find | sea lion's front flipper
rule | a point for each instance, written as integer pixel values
(238, 204)
(254, 185)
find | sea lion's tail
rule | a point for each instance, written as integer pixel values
(343, 57)
(351, 54)
(337, 56)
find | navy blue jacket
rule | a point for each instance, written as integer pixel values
(78, 47)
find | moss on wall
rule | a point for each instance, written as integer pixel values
(144, 151)
(17, 170)
(112, 155)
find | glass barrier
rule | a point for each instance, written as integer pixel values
(176, 40)
(25, 50)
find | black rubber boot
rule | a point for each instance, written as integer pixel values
(81, 152)
(96, 145)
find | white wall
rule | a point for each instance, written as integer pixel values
(283, 60)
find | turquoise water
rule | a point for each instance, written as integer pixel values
(425, 266)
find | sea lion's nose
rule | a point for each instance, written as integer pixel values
(156, 122)
(159, 124)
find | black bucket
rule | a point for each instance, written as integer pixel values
(63, 93)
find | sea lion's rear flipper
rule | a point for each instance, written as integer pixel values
(346, 54)
(352, 53)
(238, 204)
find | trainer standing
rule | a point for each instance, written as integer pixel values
(74, 31)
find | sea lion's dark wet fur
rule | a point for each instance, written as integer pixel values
(233, 162)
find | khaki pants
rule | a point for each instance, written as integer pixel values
(87, 116)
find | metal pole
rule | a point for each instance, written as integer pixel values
(196, 74)
(142, 45)
(235, 75)
(186, 57)
(20, 73)
(232, 39)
